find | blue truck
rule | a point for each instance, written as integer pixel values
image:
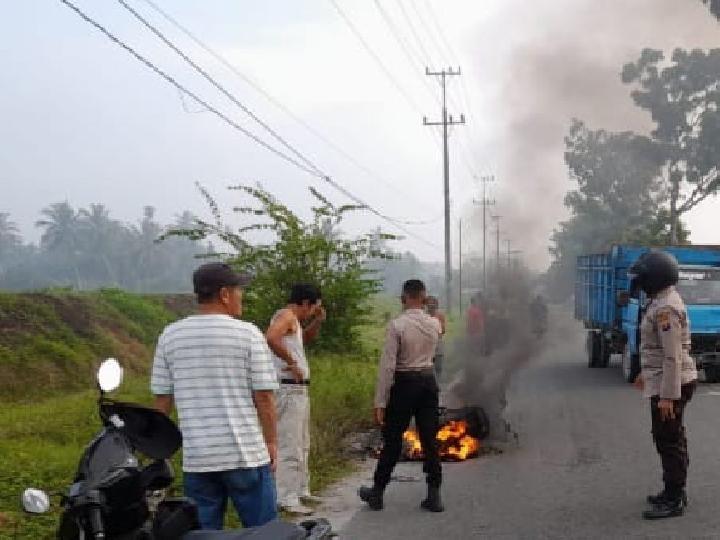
(612, 316)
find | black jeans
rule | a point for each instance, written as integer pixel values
(412, 395)
(670, 441)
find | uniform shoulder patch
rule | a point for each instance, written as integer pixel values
(663, 320)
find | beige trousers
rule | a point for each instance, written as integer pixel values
(293, 474)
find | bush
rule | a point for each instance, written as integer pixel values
(312, 251)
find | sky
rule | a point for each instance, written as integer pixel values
(85, 122)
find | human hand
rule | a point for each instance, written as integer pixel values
(667, 409)
(273, 451)
(296, 372)
(379, 414)
(639, 382)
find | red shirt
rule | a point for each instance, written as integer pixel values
(475, 320)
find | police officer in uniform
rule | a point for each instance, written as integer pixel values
(668, 375)
(407, 388)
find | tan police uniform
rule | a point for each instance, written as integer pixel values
(668, 372)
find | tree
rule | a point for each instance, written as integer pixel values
(682, 97)
(61, 227)
(99, 237)
(618, 198)
(10, 239)
(289, 250)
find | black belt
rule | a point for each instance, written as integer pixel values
(304, 382)
(418, 374)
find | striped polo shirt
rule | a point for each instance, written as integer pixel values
(212, 364)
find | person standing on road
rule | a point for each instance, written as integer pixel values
(286, 338)
(433, 309)
(218, 372)
(668, 377)
(407, 388)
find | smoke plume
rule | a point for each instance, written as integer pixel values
(563, 60)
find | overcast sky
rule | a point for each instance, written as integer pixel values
(81, 120)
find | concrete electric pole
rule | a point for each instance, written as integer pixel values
(496, 219)
(447, 120)
(485, 202)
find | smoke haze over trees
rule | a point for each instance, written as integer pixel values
(87, 249)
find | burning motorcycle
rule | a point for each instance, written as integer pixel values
(117, 495)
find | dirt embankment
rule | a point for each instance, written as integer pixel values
(50, 342)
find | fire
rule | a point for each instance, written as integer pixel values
(454, 442)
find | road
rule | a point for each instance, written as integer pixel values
(584, 464)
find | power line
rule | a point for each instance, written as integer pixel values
(147, 63)
(277, 103)
(217, 85)
(375, 57)
(404, 47)
(426, 57)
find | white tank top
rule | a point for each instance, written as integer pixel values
(294, 344)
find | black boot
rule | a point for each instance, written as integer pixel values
(666, 508)
(433, 502)
(373, 496)
(662, 496)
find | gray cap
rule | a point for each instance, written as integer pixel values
(211, 277)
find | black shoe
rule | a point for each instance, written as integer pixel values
(660, 497)
(666, 509)
(372, 496)
(433, 502)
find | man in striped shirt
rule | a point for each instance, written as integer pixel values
(217, 371)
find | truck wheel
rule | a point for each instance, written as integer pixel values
(605, 350)
(712, 374)
(593, 345)
(630, 366)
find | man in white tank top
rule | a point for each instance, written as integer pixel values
(286, 338)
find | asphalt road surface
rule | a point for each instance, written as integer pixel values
(584, 464)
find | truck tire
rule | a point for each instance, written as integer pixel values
(630, 366)
(594, 345)
(712, 374)
(605, 350)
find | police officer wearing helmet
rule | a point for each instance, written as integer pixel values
(668, 375)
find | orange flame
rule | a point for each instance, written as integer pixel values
(454, 442)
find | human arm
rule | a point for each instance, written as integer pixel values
(267, 415)
(161, 383)
(311, 331)
(263, 382)
(283, 325)
(386, 371)
(669, 327)
(443, 322)
(164, 404)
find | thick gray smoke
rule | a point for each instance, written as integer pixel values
(485, 365)
(564, 59)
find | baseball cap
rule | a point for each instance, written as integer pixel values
(211, 277)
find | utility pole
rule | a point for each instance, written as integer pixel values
(447, 120)
(460, 306)
(496, 219)
(485, 202)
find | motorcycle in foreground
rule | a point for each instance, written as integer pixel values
(116, 495)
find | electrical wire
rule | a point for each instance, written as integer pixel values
(234, 124)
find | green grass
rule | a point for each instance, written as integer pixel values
(44, 429)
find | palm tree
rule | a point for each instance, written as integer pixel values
(61, 227)
(9, 233)
(60, 236)
(99, 236)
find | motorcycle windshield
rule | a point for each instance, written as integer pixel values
(151, 432)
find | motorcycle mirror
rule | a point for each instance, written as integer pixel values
(109, 375)
(35, 501)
